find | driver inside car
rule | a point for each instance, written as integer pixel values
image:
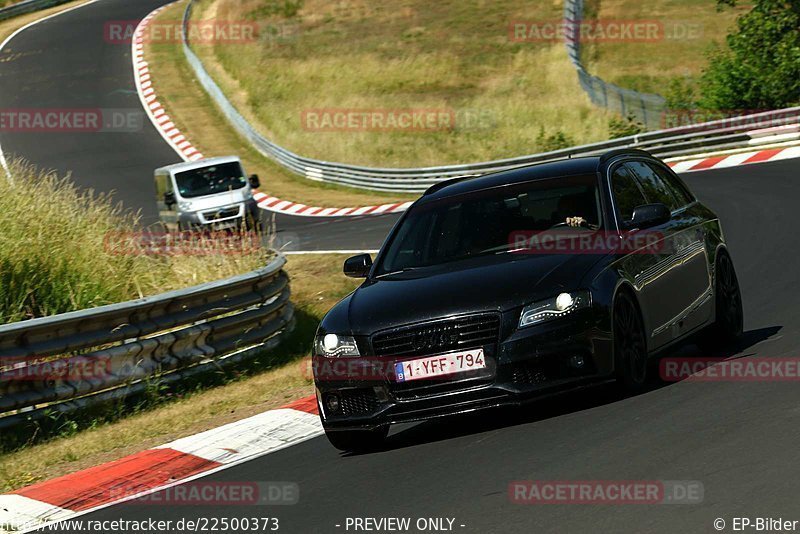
(569, 211)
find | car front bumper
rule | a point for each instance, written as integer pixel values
(529, 363)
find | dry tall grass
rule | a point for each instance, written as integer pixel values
(59, 251)
(452, 55)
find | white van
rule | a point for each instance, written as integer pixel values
(211, 193)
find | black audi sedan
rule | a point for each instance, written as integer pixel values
(494, 289)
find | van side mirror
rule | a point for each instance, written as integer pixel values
(649, 215)
(169, 198)
(358, 266)
(254, 181)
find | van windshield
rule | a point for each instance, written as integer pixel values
(210, 180)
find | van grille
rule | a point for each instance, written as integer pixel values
(438, 336)
(224, 213)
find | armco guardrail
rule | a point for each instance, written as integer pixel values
(674, 142)
(646, 108)
(28, 6)
(67, 362)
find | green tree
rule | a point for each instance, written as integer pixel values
(760, 66)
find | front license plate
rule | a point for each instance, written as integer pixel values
(441, 365)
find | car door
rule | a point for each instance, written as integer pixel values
(682, 281)
(642, 268)
(655, 271)
(690, 243)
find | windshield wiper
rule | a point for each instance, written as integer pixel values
(399, 271)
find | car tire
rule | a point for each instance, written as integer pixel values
(630, 345)
(358, 440)
(728, 324)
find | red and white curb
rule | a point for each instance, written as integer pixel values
(720, 161)
(144, 86)
(155, 469)
(188, 152)
(293, 208)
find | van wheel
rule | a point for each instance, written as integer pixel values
(358, 440)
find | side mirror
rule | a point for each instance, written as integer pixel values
(358, 266)
(254, 181)
(649, 215)
(169, 198)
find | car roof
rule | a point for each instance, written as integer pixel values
(190, 165)
(565, 167)
(584, 165)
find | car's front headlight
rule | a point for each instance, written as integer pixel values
(335, 346)
(558, 306)
(185, 206)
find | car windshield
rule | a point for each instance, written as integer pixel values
(210, 180)
(481, 222)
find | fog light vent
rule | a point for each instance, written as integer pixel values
(332, 402)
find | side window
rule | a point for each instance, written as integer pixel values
(653, 186)
(627, 194)
(678, 189)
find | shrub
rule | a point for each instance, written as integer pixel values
(760, 66)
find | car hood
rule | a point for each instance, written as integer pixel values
(479, 284)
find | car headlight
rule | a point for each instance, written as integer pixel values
(335, 346)
(185, 206)
(558, 306)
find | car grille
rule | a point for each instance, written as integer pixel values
(224, 213)
(438, 336)
(358, 402)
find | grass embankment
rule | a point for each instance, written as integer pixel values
(55, 257)
(508, 98)
(687, 28)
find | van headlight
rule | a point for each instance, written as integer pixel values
(559, 306)
(335, 346)
(184, 206)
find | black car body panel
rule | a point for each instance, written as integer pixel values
(476, 302)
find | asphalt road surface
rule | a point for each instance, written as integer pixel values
(738, 439)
